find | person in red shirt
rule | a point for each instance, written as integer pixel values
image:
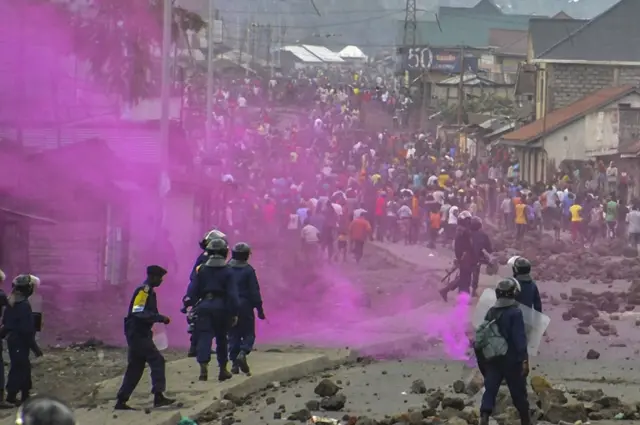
(380, 213)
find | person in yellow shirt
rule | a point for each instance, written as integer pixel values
(520, 220)
(576, 221)
(443, 178)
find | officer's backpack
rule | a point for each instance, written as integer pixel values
(489, 341)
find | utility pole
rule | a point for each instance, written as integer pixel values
(409, 40)
(461, 94)
(165, 90)
(410, 25)
(279, 39)
(269, 44)
(209, 120)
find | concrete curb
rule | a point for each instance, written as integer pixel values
(259, 382)
(310, 361)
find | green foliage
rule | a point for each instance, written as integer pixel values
(122, 41)
(487, 103)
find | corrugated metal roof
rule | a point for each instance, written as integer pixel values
(469, 79)
(561, 117)
(303, 54)
(613, 35)
(545, 32)
(324, 53)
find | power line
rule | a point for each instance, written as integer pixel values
(337, 24)
(309, 13)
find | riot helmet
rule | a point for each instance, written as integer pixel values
(24, 284)
(211, 235)
(476, 223)
(507, 288)
(521, 266)
(241, 252)
(217, 248)
(464, 219)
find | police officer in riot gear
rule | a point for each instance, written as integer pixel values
(208, 237)
(214, 294)
(482, 249)
(529, 294)
(243, 335)
(513, 367)
(142, 315)
(19, 328)
(465, 256)
(4, 302)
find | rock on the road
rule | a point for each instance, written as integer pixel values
(388, 393)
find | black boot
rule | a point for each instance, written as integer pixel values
(12, 398)
(242, 362)
(443, 293)
(235, 369)
(159, 400)
(24, 396)
(484, 418)
(122, 405)
(204, 372)
(525, 418)
(224, 374)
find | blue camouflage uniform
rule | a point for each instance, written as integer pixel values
(508, 367)
(193, 340)
(214, 294)
(243, 335)
(142, 315)
(18, 327)
(529, 294)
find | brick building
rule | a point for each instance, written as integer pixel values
(574, 58)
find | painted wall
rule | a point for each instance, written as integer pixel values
(566, 143)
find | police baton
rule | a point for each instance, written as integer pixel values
(449, 273)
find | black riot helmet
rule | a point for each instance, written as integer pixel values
(464, 219)
(217, 248)
(507, 288)
(24, 284)
(521, 266)
(241, 251)
(476, 223)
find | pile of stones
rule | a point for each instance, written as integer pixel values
(550, 404)
(561, 261)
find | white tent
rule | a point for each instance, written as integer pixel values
(352, 52)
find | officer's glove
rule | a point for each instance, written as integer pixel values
(261, 315)
(234, 321)
(165, 319)
(525, 368)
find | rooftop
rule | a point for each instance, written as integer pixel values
(612, 36)
(564, 116)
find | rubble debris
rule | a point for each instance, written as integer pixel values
(326, 388)
(418, 387)
(333, 403)
(459, 387)
(592, 354)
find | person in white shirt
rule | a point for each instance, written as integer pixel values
(310, 242)
(452, 223)
(242, 102)
(358, 212)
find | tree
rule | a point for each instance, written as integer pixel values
(121, 41)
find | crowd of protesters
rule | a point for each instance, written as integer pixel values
(330, 183)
